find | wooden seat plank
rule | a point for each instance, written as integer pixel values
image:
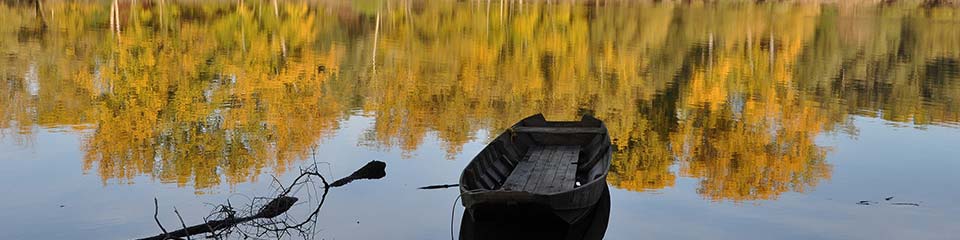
(545, 169)
(561, 165)
(542, 168)
(518, 178)
(569, 174)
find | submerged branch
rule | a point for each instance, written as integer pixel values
(274, 208)
(373, 170)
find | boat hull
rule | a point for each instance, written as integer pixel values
(482, 183)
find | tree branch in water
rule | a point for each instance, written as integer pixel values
(265, 221)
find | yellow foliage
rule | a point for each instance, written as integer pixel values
(731, 94)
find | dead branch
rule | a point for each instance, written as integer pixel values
(156, 209)
(265, 220)
(373, 170)
(181, 221)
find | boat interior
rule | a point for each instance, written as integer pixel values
(541, 157)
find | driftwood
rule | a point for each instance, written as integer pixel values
(277, 206)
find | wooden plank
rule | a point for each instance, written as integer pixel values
(519, 176)
(562, 162)
(550, 170)
(569, 177)
(477, 177)
(559, 130)
(562, 166)
(494, 163)
(507, 150)
(506, 160)
(538, 168)
(546, 169)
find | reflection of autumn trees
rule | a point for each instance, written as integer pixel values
(224, 92)
(733, 95)
(904, 71)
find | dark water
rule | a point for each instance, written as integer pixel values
(731, 120)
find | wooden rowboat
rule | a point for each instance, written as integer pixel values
(559, 167)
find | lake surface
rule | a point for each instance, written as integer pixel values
(731, 121)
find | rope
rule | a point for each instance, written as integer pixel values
(453, 213)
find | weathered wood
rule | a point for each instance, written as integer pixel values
(559, 130)
(558, 166)
(539, 169)
(518, 178)
(507, 149)
(277, 206)
(542, 178)
(501, 169)
(568, 173)
(542, 161)
(546, 169)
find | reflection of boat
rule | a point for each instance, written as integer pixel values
(557, 167)
(527, 225)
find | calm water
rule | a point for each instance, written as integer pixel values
(732, 121)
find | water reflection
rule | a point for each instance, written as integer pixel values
(526, 223)
(214, 93)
